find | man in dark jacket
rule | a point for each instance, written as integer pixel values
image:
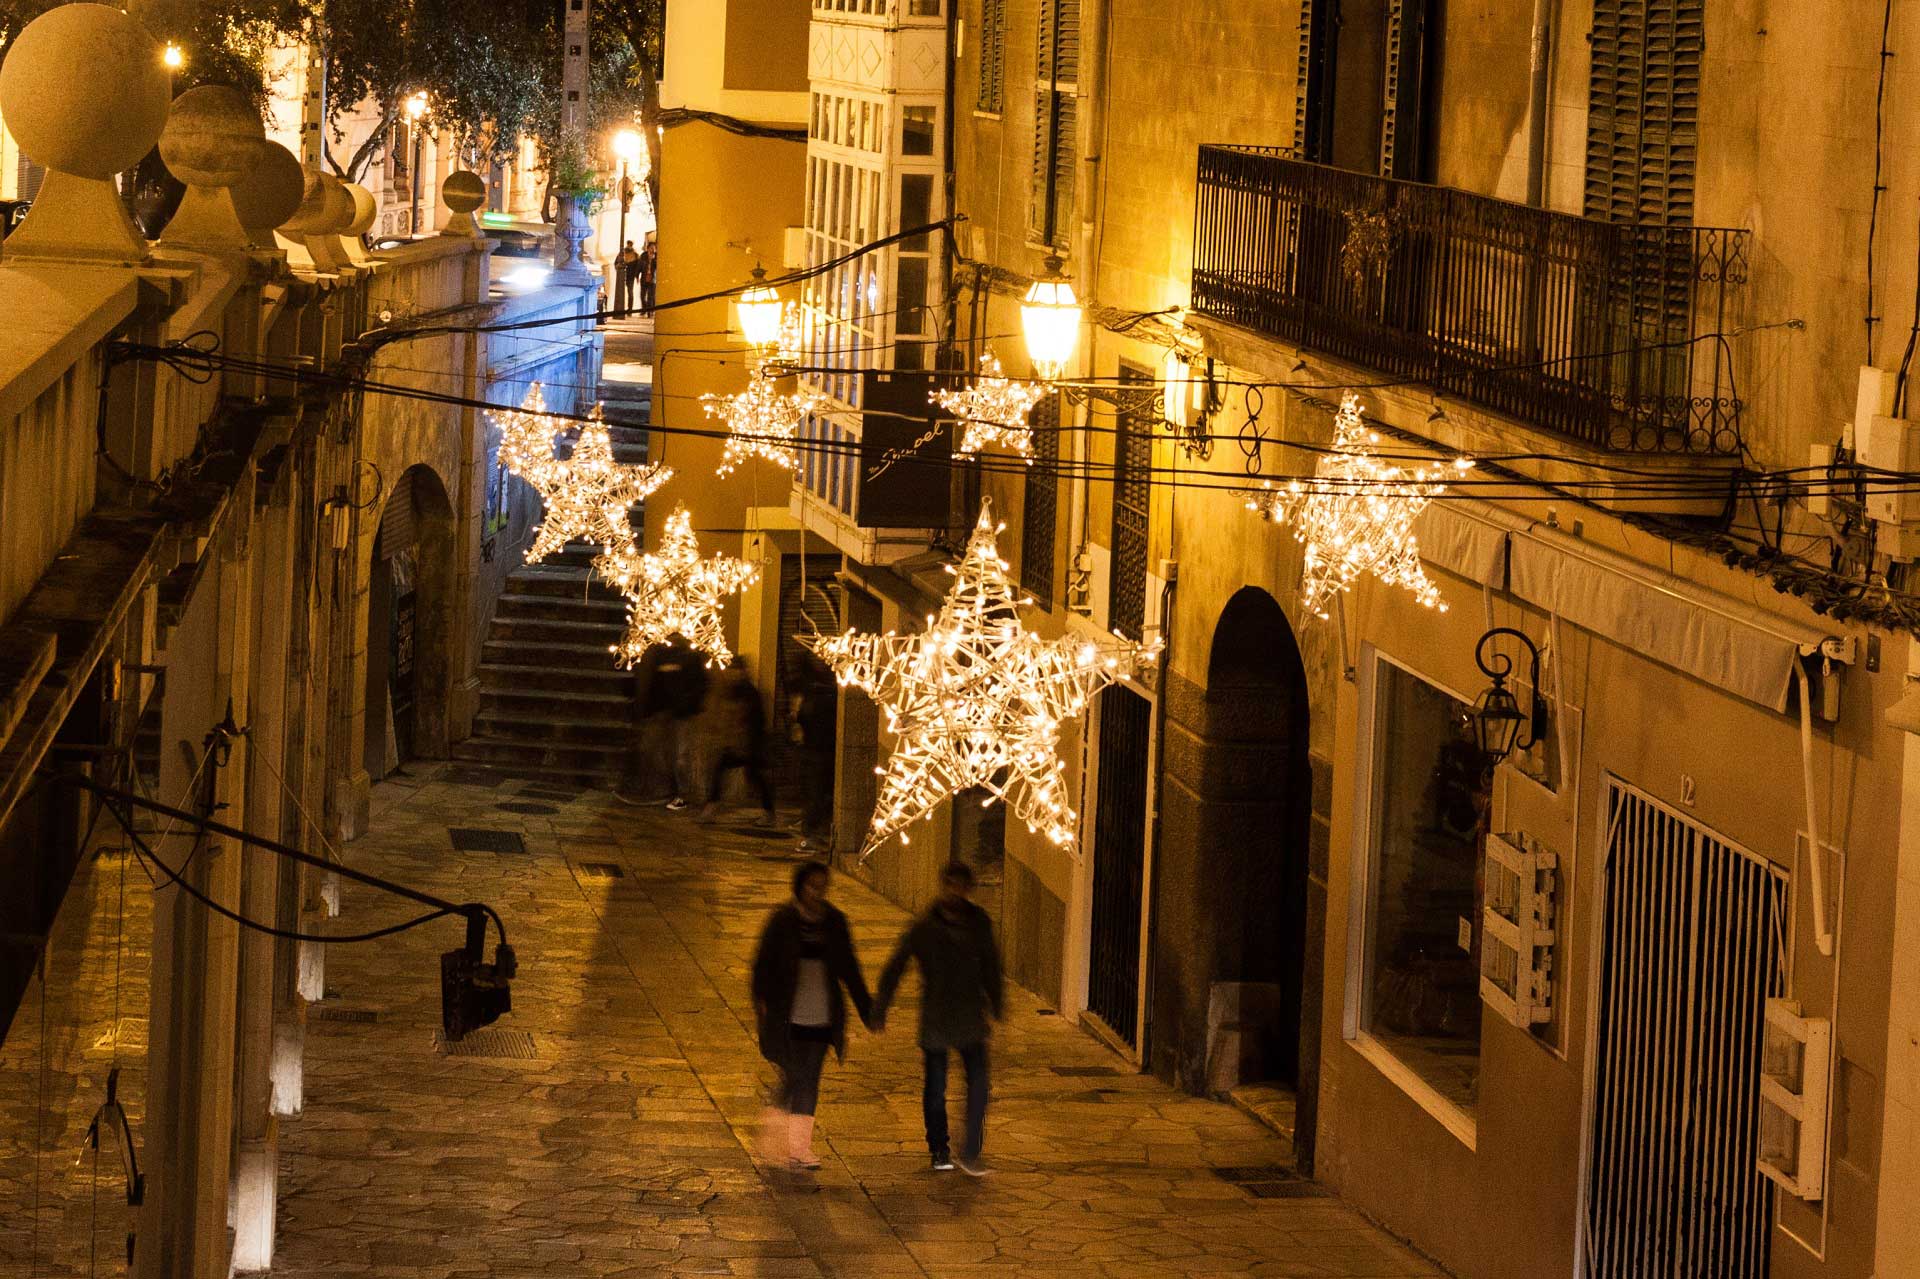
(673, 684)
(961, 987)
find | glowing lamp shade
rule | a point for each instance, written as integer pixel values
(1050, 315)
(626, 145)
(417, 105)
(759, 311)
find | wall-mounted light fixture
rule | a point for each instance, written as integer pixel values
(1497, 718)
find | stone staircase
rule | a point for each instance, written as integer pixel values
(552, 703)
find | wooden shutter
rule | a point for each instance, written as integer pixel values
(1042, 504)
(1313, 87)
(993, 48)
(1643, 109)
(1055, 122)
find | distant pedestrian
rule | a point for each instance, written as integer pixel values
(816, 713)
(649, 270)
(961, 987)
(673, 686)
(739, 725)
(626, 273)
(801, 968)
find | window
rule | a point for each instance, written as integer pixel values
(916, 130)
(1055, 113)
(1042, 499)
(1419, 974)
(993, 40)
(1643, 106)
(1132, 509)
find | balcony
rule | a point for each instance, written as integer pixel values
(1601, 333)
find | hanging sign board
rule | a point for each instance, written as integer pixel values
(906, 453)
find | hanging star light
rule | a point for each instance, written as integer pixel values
(1355, 515)
(760, 423)
(994, 410)
(587, 495)
(977, 699)
(673, 591)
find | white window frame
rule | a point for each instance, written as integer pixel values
(1461, 1123)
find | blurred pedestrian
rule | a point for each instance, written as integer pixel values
(626, 273)
(739, 738)
(649, 270)
(803, 969)
(673, 686)
(961, 987)
(816, 714)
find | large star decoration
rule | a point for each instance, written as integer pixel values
(760, 423)
(587, 496)
(1355, 515)
(673, 591)
(993, 410)
(977, 700)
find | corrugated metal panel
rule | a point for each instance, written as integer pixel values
(1691, 947)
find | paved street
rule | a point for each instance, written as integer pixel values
(624, 1145)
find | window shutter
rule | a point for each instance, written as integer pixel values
(1643, 109)
(993, 45)
(1042, 504)
(1055, 121)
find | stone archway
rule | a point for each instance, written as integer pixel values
(410, 625)
(1238, 999)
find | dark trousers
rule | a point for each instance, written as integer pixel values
(623, 291)
(933, 1099)
(800, 1075)
(816, 783)
(757, 776)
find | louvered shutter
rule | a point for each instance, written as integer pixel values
(1055, 121)
(1643, 109)
(993, 46)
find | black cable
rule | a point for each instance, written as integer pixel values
(1879, 139)
(670, 117)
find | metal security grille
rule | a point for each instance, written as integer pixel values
(1692, 945)
(1643, 108)
(993, 49)
(1055, 120)
(1119, 863)
(1042, 497)
(1132, 503)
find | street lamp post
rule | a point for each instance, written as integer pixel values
(626, 145)
(416, 108)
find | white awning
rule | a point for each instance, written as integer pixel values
(1714, 637)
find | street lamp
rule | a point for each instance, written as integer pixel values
(759, 311)
(172, 56)
(1497, 718)
(416, 108)
(1050, 314)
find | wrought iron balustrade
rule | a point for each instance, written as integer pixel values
(1604, 332)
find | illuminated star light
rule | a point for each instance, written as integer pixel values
(994, 410)
(673, 591)
(1356, 515)
(587, 495)
(977, 700)
(760, 423)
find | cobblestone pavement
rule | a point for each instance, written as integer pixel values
(625, 1145)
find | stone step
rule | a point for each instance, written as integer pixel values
(614, 706)
(561, 583)
(540, 653)
(544, 677)
(595, 760)
(533, 606)
(587, 629)
(542, 730)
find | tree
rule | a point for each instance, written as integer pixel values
(641, 25)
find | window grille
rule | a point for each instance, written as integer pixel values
(1643, 107)
(993, 48)
(1055, 117)
(1042, 504)
(1691, 948)
(1132, 505)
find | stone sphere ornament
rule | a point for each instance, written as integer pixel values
(84, 93)
(462, 192)
(365, 209)
(83, 90)
(271, 193)
(212, 137)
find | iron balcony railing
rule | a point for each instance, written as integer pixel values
(1606, 333)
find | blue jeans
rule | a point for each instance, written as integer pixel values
(933, 1099)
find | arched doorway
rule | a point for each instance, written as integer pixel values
(1240, 993)
(410, 621)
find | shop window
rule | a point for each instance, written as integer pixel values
(1420, 987)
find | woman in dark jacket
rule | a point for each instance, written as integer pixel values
(804, 959)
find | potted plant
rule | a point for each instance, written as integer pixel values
(577, 188)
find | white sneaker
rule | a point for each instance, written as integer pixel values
(675, 804)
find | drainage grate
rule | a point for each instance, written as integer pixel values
(321, 1012)
(487, 1043)
(1265, 1172)
(601, 870)
(470, 776)
(1271, 1181)
(528, 810)
(472, 840)
(1085, 1072)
